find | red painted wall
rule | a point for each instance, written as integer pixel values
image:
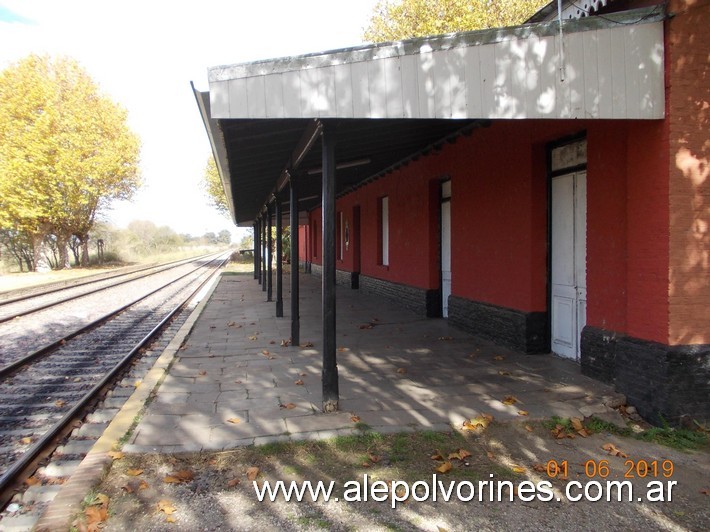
(499, 219)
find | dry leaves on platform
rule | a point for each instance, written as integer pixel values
(116, 455)
(529, 428)
(143, 485)
(26, 440)
(306, 344)
(560, 433)
(252, 473)
(503, 373)
(287, 406)
(134, 472)
(234, 420)
(444, 468)
(299, 382)
(253, 338)
(540, 468)
(461, 454)
(373, 458)
(510, 400)
(179, 477)
(613, 450)
(233, 482)
(355, 419)
(366, 326)
(32, 481)
(166, 507)
(60, 403)
(579, 428)
(401, 371)
(499, 357)
(478, 423)
(523, 412)
(285, 343)
(518, 469)
(97, 512)
(202, 373)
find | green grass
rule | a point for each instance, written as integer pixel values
(676, 438)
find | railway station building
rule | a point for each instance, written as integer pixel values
(544, 186)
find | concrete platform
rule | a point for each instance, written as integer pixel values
(233, 383)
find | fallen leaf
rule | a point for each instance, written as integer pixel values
(498, 357)
(463, 453)
(559, 432)
(237, 382)
(143, 485)
(366, 464)
(60, 403)
(503, 372)
(288, 406)
(26, 440)
(539, 468)
(252, 473)
(137, 383)
(307, 344)
(170, 519)
(234, 420)
(523, 412)
(613, 450)
(444, 468)
(166, 507)
(529, 428)
(233, 482)
(366, 326)
(490, 455)
(478, 423)
(77, 379)
(355, 419)
(303, 374)
(577, 423)
(181, 476)
(518, 469)
(509, 400)
(252, 338)
(127, 488)
(32, 481)
(265, 352)
(299, 382)
(94, 516)
(342, 349)
(116, 455)
(437, 455)
(373, 458)
(285, 343)
(134, 472)
(202, 373)
(705, 492)
(402, 371)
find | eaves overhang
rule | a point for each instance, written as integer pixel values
(388, 102)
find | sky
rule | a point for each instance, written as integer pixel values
(144, 54)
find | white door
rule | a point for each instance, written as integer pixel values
(445, 247)
(569, 262)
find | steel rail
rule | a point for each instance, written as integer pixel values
(8, 478)
(158, 269)
(17, 364)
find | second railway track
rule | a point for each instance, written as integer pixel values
(42, 398)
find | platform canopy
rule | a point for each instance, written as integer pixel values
(390, 102)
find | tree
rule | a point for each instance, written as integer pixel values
(65, 153)
(214, 189)
(394, 20)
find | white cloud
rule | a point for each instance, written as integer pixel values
(144, 55)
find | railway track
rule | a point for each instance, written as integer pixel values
(44, 392)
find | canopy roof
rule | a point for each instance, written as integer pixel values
(390, 102)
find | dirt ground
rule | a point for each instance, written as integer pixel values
(213, 491)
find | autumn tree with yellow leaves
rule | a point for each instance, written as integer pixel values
(394, 20)
(212, 185)
(66, 152)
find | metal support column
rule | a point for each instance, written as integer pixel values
(293, 219)
(256, 254)
(257, 250)
(269, 254)
(331, 394)
(279, 259)
(263, 252)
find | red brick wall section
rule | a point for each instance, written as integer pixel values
(606, 225)
(688, 66)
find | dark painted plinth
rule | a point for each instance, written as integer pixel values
(524, 331)
(667, 384)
